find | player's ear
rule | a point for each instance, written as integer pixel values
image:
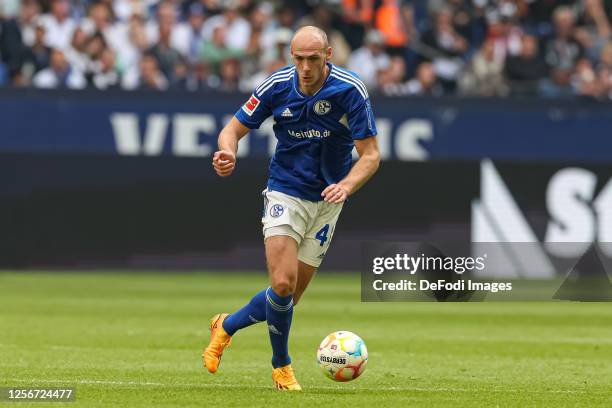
(328, 53)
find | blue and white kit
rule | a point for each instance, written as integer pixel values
(315, 136)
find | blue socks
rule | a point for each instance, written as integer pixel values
(253, 312)
(279, 311)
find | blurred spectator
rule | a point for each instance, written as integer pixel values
(262, 41)
(180, 75)
(323, 17)
(104, 72)
(605, 59)
(148, 77)
(263, 28)
(562, 52)
(584, 81)
(59, 74)
(202, 80)
(394, 74)
(390, 19)
(189, 36)
(234, 44)
(424, 83)
(10, 45)
(484, 76)
(166, 55)
(76, 54)
(166, 15)
(595, 29)
(525, 70)
(369, 60)
(215, 51)
(504, 31)
(124, 9)
(604, 71)
(35, 58)
(100, 20)
(129, 52)
(237, 27)
(58, 24)
(16, 35)
(468, 17)
(444, 46)
(357, 16)
(281, 47)
(29, 17)
(286, 18)
(94, 48)
(230, 75)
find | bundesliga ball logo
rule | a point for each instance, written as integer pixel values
(342, 356)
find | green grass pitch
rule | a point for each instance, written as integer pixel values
(135, 339)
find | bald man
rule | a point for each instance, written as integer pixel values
(321, 112)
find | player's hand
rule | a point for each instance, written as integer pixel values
(224, 162)
(335, 194)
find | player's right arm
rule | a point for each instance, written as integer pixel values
(224, 160)
(249, 116)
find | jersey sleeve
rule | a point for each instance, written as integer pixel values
(361, 117)
(254, 111)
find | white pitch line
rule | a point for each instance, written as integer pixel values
(86, 382)
(213, 385)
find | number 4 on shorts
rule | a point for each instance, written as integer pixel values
(322, 234)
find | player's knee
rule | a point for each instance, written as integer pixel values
(283, 286)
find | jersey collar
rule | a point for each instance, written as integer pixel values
(296, 84)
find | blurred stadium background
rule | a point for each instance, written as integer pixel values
(107, 166)
(547, 48)
(494, 125)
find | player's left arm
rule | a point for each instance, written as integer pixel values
(363, 169)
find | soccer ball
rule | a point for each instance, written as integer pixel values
(342, 356)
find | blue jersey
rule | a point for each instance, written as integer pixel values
(315, 133)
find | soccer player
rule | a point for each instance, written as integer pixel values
(321, 112)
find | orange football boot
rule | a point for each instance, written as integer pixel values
(219, 340)
(284, 379)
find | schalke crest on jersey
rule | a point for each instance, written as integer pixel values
(277, 210)
(321, 107)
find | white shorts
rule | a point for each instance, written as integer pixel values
(310, 223)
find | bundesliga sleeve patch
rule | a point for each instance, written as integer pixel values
(250, 105)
